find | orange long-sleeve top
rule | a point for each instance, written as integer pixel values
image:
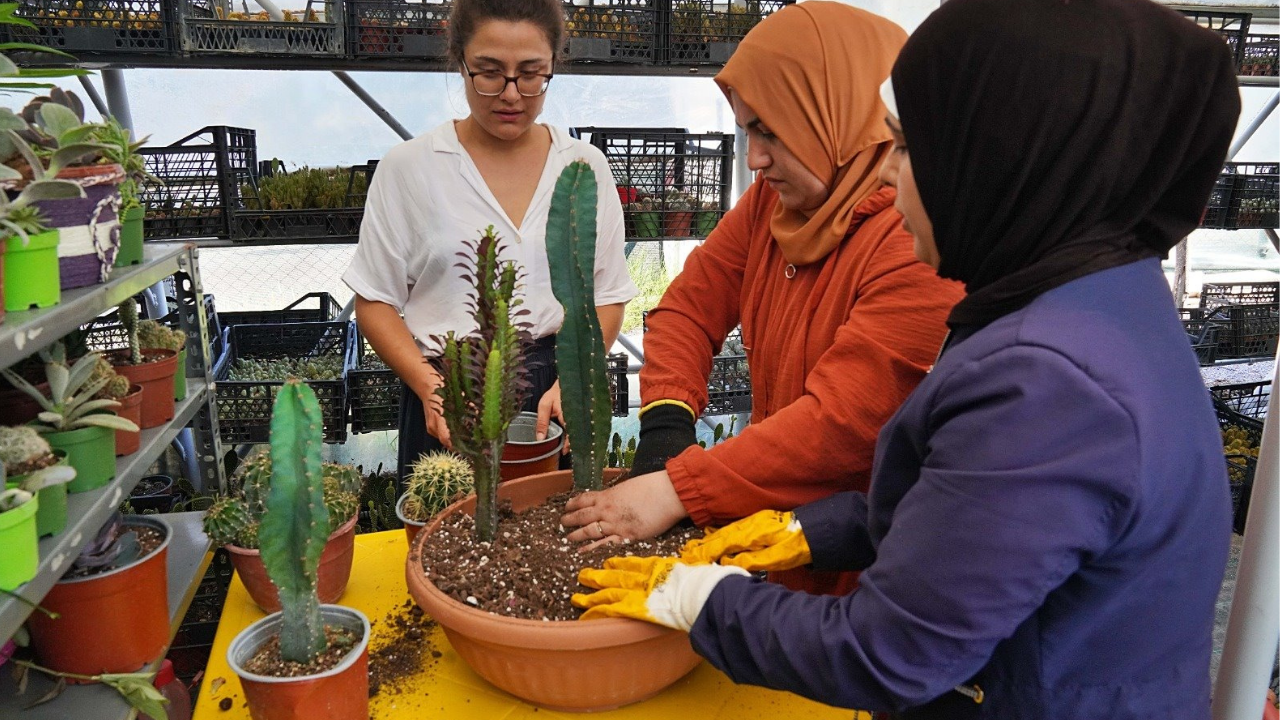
(833, 352)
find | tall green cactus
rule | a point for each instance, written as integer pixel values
(129, 319)
(485, 380)
(296, 523)
(580, 351)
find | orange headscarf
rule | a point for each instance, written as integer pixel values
(812, 73)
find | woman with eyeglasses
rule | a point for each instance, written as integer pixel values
(498, 167)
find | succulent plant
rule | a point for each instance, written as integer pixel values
(621, 456)
(119, 148)
(235, 519)
(55, 128)
(13, 498)
(580, 350)
(324, 367)
(294, 529)
(485, 380)
(434, 481)
(71, 404)
(117, 386)
(154, 335)
(114, 546)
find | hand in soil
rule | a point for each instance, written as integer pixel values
(636, 509)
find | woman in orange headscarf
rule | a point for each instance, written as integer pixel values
(839, 319)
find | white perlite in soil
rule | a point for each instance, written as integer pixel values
(1238, 373)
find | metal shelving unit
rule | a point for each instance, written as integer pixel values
(188, 560)
(25, 333)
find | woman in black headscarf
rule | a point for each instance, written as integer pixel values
(1048, 520)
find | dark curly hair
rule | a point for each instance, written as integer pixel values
(468, 15)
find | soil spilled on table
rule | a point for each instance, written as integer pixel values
(401, 649)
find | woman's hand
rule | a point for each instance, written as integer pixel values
(636, 509)
(433, 408)
(548, 407)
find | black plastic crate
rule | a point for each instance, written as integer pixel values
(207, 29)
(1246, 196)
(1218, 210)
(729, 387)
(1246, 330)
(199, 180)
(252, 221)
(624, 31)
(1261, 56)
(398, 29)
(373, 390)
(619, 387)
(244, 406)
(92, 27)
(1204, 340)
(1232, 26)
(1215, 295)
(673, 184)
(1240, 467)
(1248, 399)
(706, 32)
(326, 309)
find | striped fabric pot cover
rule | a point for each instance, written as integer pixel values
(88, 227)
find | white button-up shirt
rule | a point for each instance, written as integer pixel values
(428, 197)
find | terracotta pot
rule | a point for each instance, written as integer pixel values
(130, 409)
(335, 569)
(155, 375)
(411, 527)
(114, 622)
(677, 223)
(544, 662)
(523, 455)
(341, 693)
(19, 408)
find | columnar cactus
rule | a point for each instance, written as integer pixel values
(580, 350)
(129, 319)
(435, 480)
(295, 526)
(485, 381)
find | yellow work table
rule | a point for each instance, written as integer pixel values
(447, 688)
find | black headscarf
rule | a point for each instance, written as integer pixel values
(1051, 139)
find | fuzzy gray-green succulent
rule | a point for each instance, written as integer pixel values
(25, 454)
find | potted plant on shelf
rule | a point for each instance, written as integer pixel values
(33, 466)
(121, 150)
(89, 227)
(21, 556)
(540, 661)
(437, 479)
(112, 605)
(153, 335)
(73, 421)
(129, 396)
(234, 521)
(309, 660)
(677, 220)
(30, 247)
(152, 368)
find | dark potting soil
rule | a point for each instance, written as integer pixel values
(31, 466)
(267, 660)
(530, 570)
(401, 649)
(149, 487)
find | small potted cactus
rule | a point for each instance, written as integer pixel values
(72, 420)
(677, 216)
(129, 396)
(110, 611)
(33, 466)
(629, 660)
(21, 556)
(436, 480)
(707, 218)
(317, 666)
(152, 368)
(155, 336)
(645, 218)
(234, 521)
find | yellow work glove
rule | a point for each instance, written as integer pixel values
(660, 590)
(767, 540)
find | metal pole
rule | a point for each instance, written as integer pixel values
(741, 173)
(1254, 624)
(117, 96)
(1275, 241)
(1247, 135)
(1180, 274)
(377, 108)
(94, 97)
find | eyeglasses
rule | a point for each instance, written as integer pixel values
(492, 84)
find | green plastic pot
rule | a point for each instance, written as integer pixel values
(21, 556)
(705, 222)
(91, 451)
(648, 224)
(51, 518)
(180, 377)
(130, 252)
(31, 272)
